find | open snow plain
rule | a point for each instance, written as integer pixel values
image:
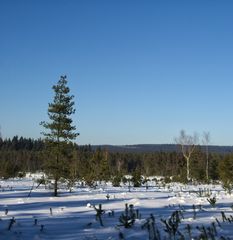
(72, 215)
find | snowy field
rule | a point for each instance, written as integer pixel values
(73, 216)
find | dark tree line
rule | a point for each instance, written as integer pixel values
(21, 143)
(84, 163)
(20, 155)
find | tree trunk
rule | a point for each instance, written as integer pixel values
(56, 174)
(207, 164)
(207, 170)
(188, 163)
(55, 187)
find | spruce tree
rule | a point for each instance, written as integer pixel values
(226, 172)
(137, 178)
(60, 131)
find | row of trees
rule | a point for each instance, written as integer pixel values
(84, 163)
(60, 158)
(21, 143)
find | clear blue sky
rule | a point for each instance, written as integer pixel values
(140, 70)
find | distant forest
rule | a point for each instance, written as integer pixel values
(19, 155)
(146, 148)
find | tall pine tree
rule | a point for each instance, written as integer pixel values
(60, 131)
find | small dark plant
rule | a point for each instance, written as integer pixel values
(99, 213)
(127, 218)
(121, 236)
(214, 228)
(224, 218)
(35, 221)
(203, 234)
(108, 196)
(111, 213)
(219, 224)
(188, 228)
(41, 227)
(194, 212)
(212, 201)
(51, 211)
(172, 224)
(228, 187)
(153, 231)
(12, 221)
(6, 211)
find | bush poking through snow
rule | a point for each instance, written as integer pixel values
(194, 212)
(12, 221)
(214, 228)
(203, 193)
(41, 227)
(219, 224)
(111, 213)
(189, 228)
(107, 196)
(224, 218)
(228, 187)
(153, 231)
(121, 236)
(208, 232)
(99, 213)
(203, 231)
(172, 224)
(127, 218)
(212, 201)
(51, 211)
(6, 211)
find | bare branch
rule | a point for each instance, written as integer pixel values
(206, 138)
(187, 144)
(206, 141)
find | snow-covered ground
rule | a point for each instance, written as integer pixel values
(72, 215)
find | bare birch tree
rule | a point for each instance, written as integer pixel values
(206, 141)
(187, 144)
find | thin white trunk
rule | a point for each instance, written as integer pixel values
(188, 168)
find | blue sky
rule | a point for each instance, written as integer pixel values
(140, 71)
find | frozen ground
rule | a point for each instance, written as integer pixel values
(72, 216)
